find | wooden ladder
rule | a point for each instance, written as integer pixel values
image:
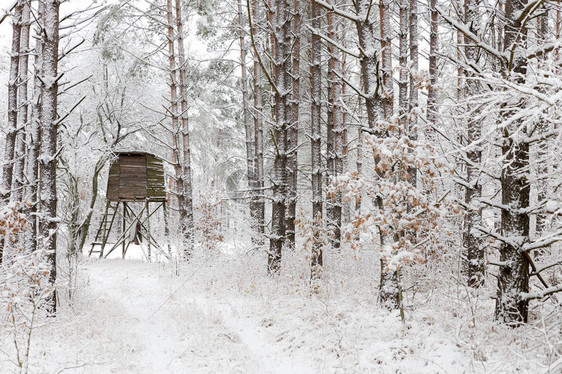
(102, 234)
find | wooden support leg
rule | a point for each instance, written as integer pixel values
(124, 226)
(166, 228)
(148, 230)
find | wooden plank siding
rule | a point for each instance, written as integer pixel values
(136, 177)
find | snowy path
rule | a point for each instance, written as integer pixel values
(225, 315)
(168, 329)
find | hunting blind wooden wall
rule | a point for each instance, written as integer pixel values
(136, 176)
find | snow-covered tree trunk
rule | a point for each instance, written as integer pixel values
(259, 205)
(48, 222)
(23, 107)
(186, 211)
(316, 136)
(359, 168)
(414, 55)
(472, 242)
(282, 117)
(34, 135)
(248, 130)
(542, 152)
(334, 133)
(413, 100)
(178, 180)
(513, 279)
(12, 123)
(403, 62)
(368, 60)
(293, 131)
(433, 73)
(389, 289)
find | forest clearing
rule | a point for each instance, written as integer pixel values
(281, 186)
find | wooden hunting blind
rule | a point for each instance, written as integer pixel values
(136, 179)
(136, 176)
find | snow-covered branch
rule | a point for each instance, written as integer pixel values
(541, 294)
(544, 241)
(333, 42)
(466, 31)
(350, 16)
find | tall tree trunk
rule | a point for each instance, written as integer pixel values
(542, 152)
(403, 64)
(433, 50)
(34, 136)
(186, 212)
(368, 60)
(12, 125)
(342, 147)
(248, 131)
(412, 120)
(513, 279)
(472, 241)
(334, 134)
(414, 57)
(23, 107)
(359, 167)
(293, 132)
(259, 207)
(48, 223)
(179, 184)
(282, 118)
(389, 289)
(369, 63)
(316, 137)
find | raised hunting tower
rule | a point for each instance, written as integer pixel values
(136, 183)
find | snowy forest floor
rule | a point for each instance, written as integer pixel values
(222, 314)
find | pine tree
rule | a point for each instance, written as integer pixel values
(316, 136)
(12, 125)
(48, 223)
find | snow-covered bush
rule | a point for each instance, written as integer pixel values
(408, 217)
(25, 288)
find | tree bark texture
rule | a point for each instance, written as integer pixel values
(334, 134)
(34, 136)
(23, 107)
(259, 203)
(389, 289)
(316, 137)
(186, 211)
(12, 124)
(282, 118)
(513, 279)
(472, 239)
(248, 131)
(433, 51)
(48, 222)
(293, 131)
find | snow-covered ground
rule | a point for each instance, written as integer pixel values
(221, 313)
